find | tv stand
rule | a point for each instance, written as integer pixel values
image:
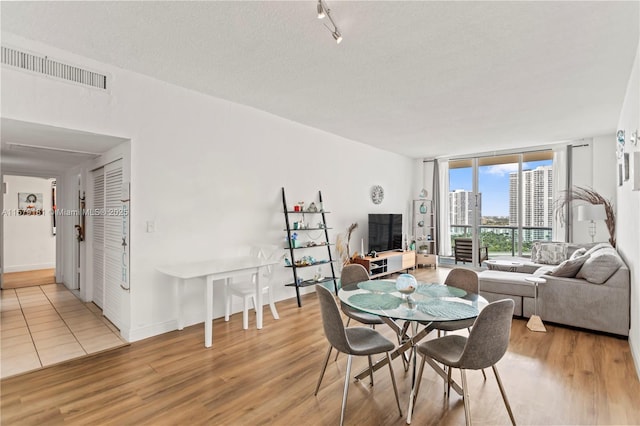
(387, 263)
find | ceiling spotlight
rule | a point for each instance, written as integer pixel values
(321, 13)
(324, 11)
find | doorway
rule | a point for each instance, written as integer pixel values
(29, 237)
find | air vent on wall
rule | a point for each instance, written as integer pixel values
(44, 65)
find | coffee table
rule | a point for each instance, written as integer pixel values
(503, 265)
(535, 322)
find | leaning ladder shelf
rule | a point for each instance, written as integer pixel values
(295, 250)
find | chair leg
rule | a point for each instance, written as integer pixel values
(227, 300)
(465, 397)
(370, 370)
(449, 381)
(419, 380)
(346, 389)
(504, 395)
(484, 375)
(272, 304)
(324, 368)
(245, 313)
(393, 381)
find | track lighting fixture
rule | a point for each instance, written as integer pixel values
(323, 11)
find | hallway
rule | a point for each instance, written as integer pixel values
(47, 324)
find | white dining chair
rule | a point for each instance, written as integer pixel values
(246, 290)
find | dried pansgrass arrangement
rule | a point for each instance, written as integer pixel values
(342, 244)
(588, 195)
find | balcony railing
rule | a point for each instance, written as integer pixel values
(503, 240)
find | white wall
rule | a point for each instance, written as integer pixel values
(594, 165)
(28, 241)
(628, 208)
(208, 173)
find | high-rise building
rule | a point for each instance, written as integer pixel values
(461, 207)
(537, 201)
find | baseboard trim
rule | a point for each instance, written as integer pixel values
(24, 268)
(134, 335)
(634, 355)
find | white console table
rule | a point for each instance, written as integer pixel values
(212, 270)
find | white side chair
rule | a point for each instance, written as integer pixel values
(246, 290)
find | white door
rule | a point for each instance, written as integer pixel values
(109, 235)
(97, 221)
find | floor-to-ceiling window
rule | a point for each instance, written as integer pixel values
(506, 200)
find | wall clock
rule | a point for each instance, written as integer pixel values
(377, 194)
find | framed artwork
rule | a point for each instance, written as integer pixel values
(620, 174)
(30, 204)
(626, 166)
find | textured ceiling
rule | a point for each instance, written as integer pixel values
(421, 79)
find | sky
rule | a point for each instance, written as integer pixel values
(493, 184)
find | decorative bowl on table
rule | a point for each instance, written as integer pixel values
(406, 284)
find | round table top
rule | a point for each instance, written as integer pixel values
(538, 280)
(429, 302)
(503, 262)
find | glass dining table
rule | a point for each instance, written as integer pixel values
(420, 312)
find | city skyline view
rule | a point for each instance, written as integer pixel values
(493, 184)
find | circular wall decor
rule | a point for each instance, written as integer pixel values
(377, 194)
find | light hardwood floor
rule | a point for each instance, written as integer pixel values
(28, 278)
(268, 376)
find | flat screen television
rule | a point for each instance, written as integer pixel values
(385, 232)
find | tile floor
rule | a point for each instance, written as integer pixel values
(47, 324)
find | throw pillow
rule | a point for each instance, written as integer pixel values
(535, 248)
(600, 265)
(598, 247)
(570, 267)
(543, 270)
(551, 253)
(578, 253)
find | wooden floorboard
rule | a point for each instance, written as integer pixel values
(268, 376)
(28, 278)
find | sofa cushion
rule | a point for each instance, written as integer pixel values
(551, 253)
(570, 267)
(597, 247)
(579, 252)
(505, 283)
(543, 270)
(600, 265)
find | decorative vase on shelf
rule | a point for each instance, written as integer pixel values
(423, 208)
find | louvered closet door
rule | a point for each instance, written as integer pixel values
(114, 294)
(97, 237)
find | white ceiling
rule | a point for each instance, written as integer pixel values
(40, 149)
(421, 79)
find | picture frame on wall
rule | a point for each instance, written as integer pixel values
(620, 174)
(626, 166)
(30, 204)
